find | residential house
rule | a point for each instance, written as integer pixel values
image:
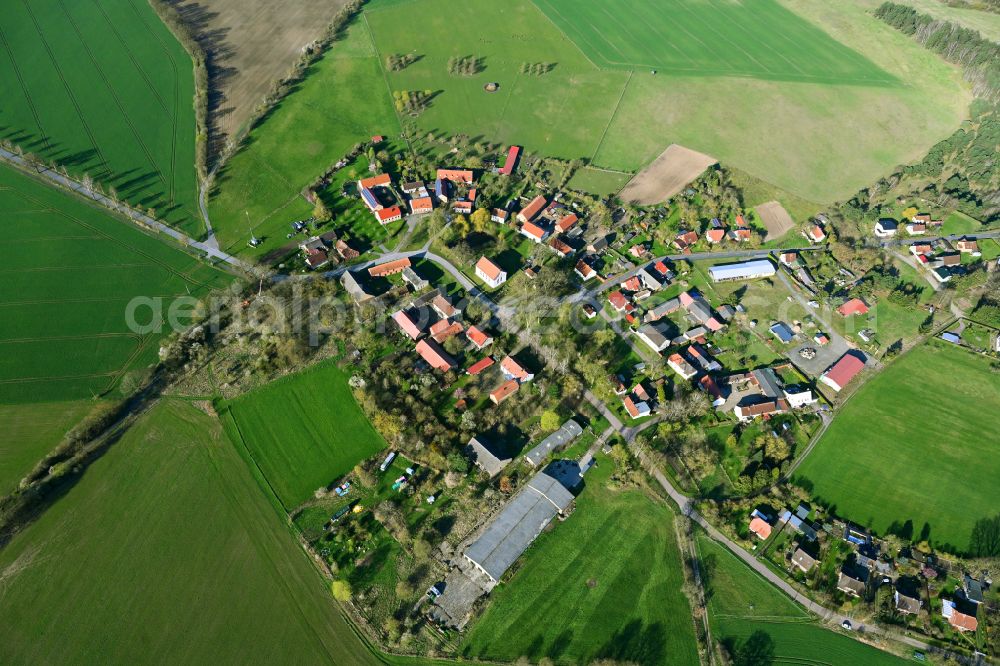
(490, 273)
(702, 358)
(748, 412)
(566, 223)
(584, 270)
(560, 248)
(500, 216)
(504, 391)
(968, 246)
(906, 604)
(618, 301)
(741, 232)
(649, 279)
(654, 336)
(957, 619)
(511, 162)
(680, 365)
(853, 583)
(886, 228)
(387, 215)
(855, 306)
(916, 228)
(685, 241)
(443, 307)
(513, 370)
(781, 331)
(638, 251)
(411, 278)
(436, 357)
(803, 560)
(443, 329)
(788, 258)
(710, 387)
(636, 409)
(465, 176)
(478, 338)
(346, 251)
(421, 205)
(715, 235)
(479, 366)
(663, 309)
(598, 245)
(407, 324)
(815, 234)
(534, 232)
(759, 526)
(973, 589)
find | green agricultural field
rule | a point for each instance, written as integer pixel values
(342, 102)
(30, 432)
(69, 271)
(169, 530)
(743, 606)
(763, 40)
(923, 471)
(591, 589)
(598, 181)
(103, 88)
(303, 431)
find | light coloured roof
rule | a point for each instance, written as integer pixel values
(557, 440)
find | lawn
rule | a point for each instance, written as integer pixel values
(693, 38)
(343, 101)
(303, 431)
(598, 181)
(590, 589)
(167, 547)
(742, 604)
(30, 432)
(913, 450)
(69, 273)
(103, 88)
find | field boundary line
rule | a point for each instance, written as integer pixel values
(614, 114)
(564, 33)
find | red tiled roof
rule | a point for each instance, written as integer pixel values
(855, 306)
(434, 355)
(617, 300)
(715, 235)
(387, 214)
(584, 269)
(504, 391)
(422, 204)
(817, 233)
(478, 338)
(375, 181)
(533, 230)
(560, 247)
(710, 386)
(508, 166)
(389, 267)
(479, 366)
(513, 368)
(442, 330)
(566, 222)
(406, 324)
(456, 175)
(488, 268)
(760, 528)
(963, 622)
(534, 208)
(633, 283)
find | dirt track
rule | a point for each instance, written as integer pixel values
(671, 172)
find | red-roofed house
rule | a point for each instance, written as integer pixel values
(387, 215)
(740, 234)
(381, 180)
(534, 232)
(479, 366)
(617, 300)
(511, 163)
(421, 205)
(560, 247)
(443, 307)
(760, 527)
(463, 207)
(633, 283)
(457, 175)
(958, 620)
(816, 234)
(389, 267)
(478, 338)
(855, 306)
(531, 211)
(499, 215)
(584, 270)
(968, 246)
(635, 409)
(504, 391)
(637, 251)
(842, 372)
(566, 223)
(443, 329)
(436, 357)
(490, 273)
(714, 236)
(684, 241)
(513, 370)
(712, 389)
(406, 324)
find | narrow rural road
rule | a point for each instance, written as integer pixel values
(58, 179)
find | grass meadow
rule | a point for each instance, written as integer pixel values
(591, 589)
(742, 605)
(303, 431)
(169, 531)
(926, 470)
(68, 273)
(342, 101)
(103, 88)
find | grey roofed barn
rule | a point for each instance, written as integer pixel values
(557, 440)
(523, 518)
(486, 459)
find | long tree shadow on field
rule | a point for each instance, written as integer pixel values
(637, 644)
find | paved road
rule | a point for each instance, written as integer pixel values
(910, 240)
(210, 250)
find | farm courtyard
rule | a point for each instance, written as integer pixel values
(915, 450)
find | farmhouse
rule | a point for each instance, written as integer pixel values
(436, 357)
(504, 391)
(749, 412)
(523, 518)
(389, 268)
(816, 234)
(490, 273)
(465, 176)
(484, 458)
(511, 163)
(654, 336)
(554, 442)
(387, 215)
(421, 205)
(366, 187)
(843, 371)
(443, 329)
(479, 339)
(663, 309)
(855, 306)
(499, 215)
(531, 211)
(747, 270)
(443, 307)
